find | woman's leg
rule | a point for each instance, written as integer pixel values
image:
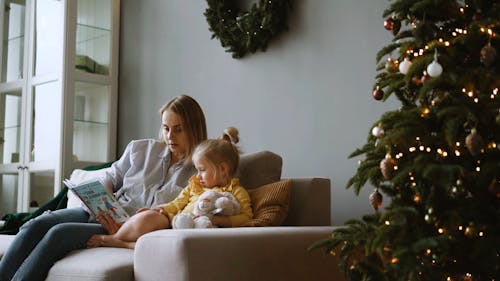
(30, 235)
(59, 241)
(138, 225)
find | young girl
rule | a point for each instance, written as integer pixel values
(216, 161)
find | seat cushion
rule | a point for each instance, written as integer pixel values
(5, 241)
(97, 264)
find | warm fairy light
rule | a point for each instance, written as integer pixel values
(416, 198)
(464, 90)
(412, 149)
(421, 148)
(457, 153)
(460, 227)
(415, 54)
(428, 251)
(428, 149)
(462, 10)
(413, 184)
(457, 143)
(481, 234)
(442, 152)
(476, 100)
(394, 260)
(440, 40)
(425, 112)
(396, 167)
(492, 145)
(440, 230)
(387, 223)
(478, 169)
(447, 43)
(470, 94)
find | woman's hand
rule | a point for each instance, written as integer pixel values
(108, 223)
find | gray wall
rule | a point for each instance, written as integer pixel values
(307, 98)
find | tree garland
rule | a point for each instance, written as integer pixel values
(241, 32)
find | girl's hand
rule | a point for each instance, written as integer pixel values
(221, 221)
(108, 223)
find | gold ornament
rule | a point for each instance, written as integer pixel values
(494, 188)
(387, 167)
(488, 55)
(376, 199)
(474, 142)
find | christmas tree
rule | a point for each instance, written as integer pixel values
(437, 158)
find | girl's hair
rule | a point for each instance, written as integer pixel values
(194, 120)
(223, 149)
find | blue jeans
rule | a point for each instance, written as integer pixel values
(44, 240)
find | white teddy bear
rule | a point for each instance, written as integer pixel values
(208, 204)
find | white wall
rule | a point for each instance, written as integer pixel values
(307, 98)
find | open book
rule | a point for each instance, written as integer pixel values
(97, 199)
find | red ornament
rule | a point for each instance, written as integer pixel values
(392, 24)
(378, 94)
(424, 78)
(389, 24)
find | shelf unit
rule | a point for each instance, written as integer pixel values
(58, 94)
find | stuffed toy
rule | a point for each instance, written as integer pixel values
(209, 203)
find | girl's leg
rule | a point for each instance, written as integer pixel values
(59, 241)
(30, 235)
(138, 225)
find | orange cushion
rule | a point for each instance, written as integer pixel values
(270, 203)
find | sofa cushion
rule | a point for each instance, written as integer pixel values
(270, 203)
(5, 241)
(259, 168)
(96, 264)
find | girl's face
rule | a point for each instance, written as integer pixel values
(174, 134)
(209, 175)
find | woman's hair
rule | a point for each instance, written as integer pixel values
(223, 149)
(194, 120)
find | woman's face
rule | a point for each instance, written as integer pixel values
(175, 134)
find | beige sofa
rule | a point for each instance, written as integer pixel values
(245, 253)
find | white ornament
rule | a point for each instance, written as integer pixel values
(404, 66)
(434, 69)
(378, 132)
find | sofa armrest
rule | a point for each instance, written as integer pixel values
(248, 253)
(309, 202)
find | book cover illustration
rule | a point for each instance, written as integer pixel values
(98, 200)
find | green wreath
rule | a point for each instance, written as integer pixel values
(241, 32)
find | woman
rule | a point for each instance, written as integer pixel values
(149, 172)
